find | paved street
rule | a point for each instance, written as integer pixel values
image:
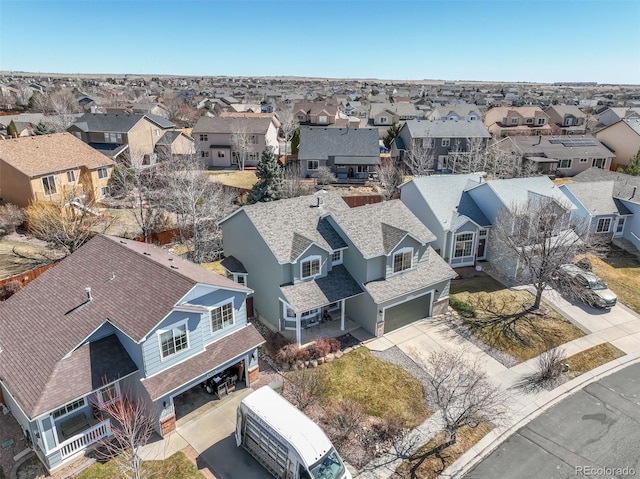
(596, 427)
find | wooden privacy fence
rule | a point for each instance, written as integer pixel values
(28, 276)
(160, 238)
(361, 200)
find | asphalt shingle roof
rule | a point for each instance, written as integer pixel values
(308, 295)
(597, 197)
(284, 224)
(517, 191)
(427, 272)
(119, 123)
(134, 285)
(373, 228)
(253, 126)
(318, 143)
(626, 187)
(447, 129)
(39, 155)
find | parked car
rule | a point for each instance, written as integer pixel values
(585, 286)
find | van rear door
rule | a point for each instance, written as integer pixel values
(239, 423)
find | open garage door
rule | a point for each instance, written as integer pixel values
(406, 313)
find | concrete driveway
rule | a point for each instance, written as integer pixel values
(596, 428)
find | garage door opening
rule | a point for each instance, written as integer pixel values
(406, 313)
(208, 393)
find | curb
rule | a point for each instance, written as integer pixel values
(483, 448)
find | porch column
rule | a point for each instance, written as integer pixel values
(342, 315)
(298, 332)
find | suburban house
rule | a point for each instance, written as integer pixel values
(121, 318)
(523, 120)
(455, 111)
(444, 205)
(615, 114)
(56, 167)
(438, 139)
(565, 155)
(464, 209)
(311, 257)
(386, 114)
(121, 136)
(623, 139)
(230, 141)
(567, 119)
(313, 113)
(352, 154)
(175, 143)
(595, 202)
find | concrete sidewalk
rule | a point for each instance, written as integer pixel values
(620, 327)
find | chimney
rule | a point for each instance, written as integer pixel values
(88, 291)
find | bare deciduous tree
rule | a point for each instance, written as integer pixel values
(304, 387)
(11, 216)
(288, 124)
(538, 235)
(420, 157)
(240, 140)
(62, 109)
(132, 423)
(390, 178)
(461, 391)
(23, 94)
(293, 181)
(324, 176)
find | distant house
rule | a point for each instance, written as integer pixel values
(615, 114)
(312, 256)
(120, 136)
(122, 318)
(175, 142)
(565, 155)
(385, 114)
(524, 120)
(441, 139)
(455, 112)
(567, 119)
(311, 113)
(214, 139)
(351, 154)
(623, 139)
(55, 167)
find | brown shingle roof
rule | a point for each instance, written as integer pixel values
(40, 155)
(214, 356)
(134, 285)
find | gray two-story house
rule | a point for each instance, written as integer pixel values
(117, 318)
(310, 256)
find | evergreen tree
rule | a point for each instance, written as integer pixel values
(42, 129)
(12, 130)
(633, 168)
(392, 132)
(295, 142)
(269, 186)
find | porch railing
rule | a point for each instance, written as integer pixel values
(85, 438)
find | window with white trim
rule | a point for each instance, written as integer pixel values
(310, 267)
(565, 163)
(620, 225)
(105, 190)
(336, 257)
(540, 121)
(599, 162)
(71, 176)
(174, 340)
(583, 160)
(513, 121)
(67, 408)
(428, 143)
(402, 260)
(529, 121)
(204, 154)
(446, 142)
(463, 245)
(312, 164)
(220, 154)
(49, 185)
(204, 137)
(102, 173)
(604, 225)
(383, 119)
(222, 317)
(109, 394)
(113, 137)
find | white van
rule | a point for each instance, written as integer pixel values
(284, 440)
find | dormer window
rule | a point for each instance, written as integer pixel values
(173, 340)
(529, 121)
(222, 317)
(513, 121)
(310, 267)
(402, 260)
(336, 257)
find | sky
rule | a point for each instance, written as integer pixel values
(483, 40)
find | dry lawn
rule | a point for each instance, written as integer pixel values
(503, 322)
(621, 272)
(380, 388)
(177, 466)
(215, 266)
(432, 466)
(17, 257)
(236, 179)
(591, 358)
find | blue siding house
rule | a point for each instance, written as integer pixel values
(117, 317)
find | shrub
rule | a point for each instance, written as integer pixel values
(320, 349)
(334, 345)
(464, 309)
(274, 343)
(585, 263)
(9, 289)
(287, 354)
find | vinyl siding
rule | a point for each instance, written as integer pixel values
(407, 242)
(416, 203)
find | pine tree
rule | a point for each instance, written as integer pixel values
(269, 186)
(633, 168)
(12, 130)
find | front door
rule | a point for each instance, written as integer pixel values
(481, 244)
